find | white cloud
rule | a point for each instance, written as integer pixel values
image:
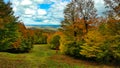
(26, 2)
(55, 13)
(29, 12)
(41, 12)
(38, 1)
(46, 21)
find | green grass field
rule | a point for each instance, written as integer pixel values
(43, 57)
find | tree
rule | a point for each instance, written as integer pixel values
(113, 18)
(79, 15)
(86, 11)
(102, 45)
(93, 42)
(26, 39)
(110, 29)
(69, 15)
(55, 42)
(113, 8)
(8, 26)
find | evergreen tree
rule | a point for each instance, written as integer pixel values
(8, 26)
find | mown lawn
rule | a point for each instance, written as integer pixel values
(43, 57)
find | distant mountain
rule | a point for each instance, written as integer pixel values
(44, 26)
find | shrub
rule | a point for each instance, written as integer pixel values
(55, 42)
(110, 49)
(91, 47)
(71, 48)
(39, 37)
(26, 45)
(103, 48)
(43, 39)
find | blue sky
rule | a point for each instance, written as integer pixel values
(44, 12)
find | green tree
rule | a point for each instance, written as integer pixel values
(8, 26)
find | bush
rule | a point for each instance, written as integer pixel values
(55, 42)
(110, 49)
(42, 40)
(26, 45)
(71, 48)
(103, 48)
(22, 45)
(39, 37)
(91, 47)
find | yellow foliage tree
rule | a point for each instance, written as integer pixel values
(93, 41)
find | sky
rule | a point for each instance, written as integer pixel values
(44, 12)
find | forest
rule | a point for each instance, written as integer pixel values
(83, 35)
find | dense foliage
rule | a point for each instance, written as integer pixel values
(39, 37)
(25, 41)
(91, 37)
(79, 15)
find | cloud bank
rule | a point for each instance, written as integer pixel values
(37, 12)
(44, 12)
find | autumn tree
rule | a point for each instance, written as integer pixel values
(103, 44)
(113, 8)
(69, 15)
(26, 39)
(112, 30)
(113, 15)
(86, 11)
(79, 16)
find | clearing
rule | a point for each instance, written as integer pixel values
(43, 57)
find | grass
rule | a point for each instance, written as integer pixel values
(42, 57)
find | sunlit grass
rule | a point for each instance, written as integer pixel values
(39, 57)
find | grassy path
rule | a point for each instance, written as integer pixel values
(42, 57)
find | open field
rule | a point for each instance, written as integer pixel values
(42, 57)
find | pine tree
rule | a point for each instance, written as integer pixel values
(8, 26)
